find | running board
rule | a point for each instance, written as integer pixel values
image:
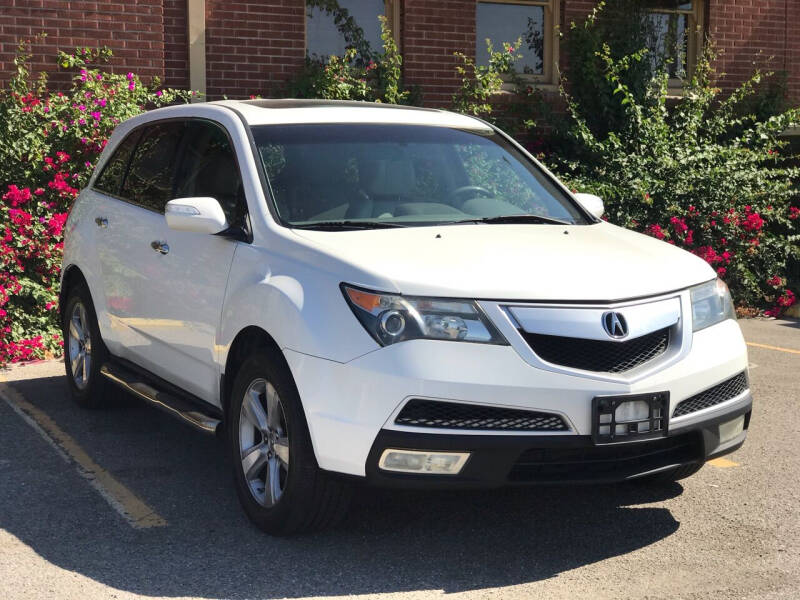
(169, 403)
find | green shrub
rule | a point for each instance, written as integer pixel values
(480, 84)
(49, 143)
(699, 175)
(349, 77)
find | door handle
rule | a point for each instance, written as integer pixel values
(160, 247)
(101, 222)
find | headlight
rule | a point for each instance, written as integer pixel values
(390, 318)
(711, 304)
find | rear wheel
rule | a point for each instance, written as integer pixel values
(84, 351)
(277, 479)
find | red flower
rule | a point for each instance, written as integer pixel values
(656, 231)
(794, 212)
(17, 196)
(775, 281)
(753, 221)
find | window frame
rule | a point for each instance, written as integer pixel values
(179, 156)
(391, 10)
(236, 158)
(552, 13)
(694, 37)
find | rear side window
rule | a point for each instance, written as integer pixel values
(110, 179)
(209, 169)
(151, 173)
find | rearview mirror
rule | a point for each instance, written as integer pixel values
(592, 203)
(200, 215)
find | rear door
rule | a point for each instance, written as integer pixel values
(131, 221)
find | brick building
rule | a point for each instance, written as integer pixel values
(243, 47)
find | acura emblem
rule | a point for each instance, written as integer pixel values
(615, 325)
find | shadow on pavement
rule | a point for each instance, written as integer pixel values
(390, 542)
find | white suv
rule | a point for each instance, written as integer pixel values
(360, 292)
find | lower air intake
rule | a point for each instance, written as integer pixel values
(727, 390)
(453, 415)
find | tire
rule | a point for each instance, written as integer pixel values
(83, 347)
(675, 474)
(279, 484)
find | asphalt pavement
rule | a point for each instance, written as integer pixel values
(126, 502)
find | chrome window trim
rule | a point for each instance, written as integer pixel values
(680, 343)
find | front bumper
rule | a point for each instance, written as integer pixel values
(351, 407)
(524, 460)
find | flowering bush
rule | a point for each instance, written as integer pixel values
(49, 143)
(699, 175)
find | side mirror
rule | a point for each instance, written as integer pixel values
(200, 215)
(592, 203)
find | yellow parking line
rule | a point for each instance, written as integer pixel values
(722, 463)
(138, 514)
(778, 348)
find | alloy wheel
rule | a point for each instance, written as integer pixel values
(80, 346)
(264, 442)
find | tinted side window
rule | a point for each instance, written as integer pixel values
(209, 169)
(110, 179)
(150, 176)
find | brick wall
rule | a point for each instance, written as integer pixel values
(760, 33)
(176, 49)
(431, 32)
(253, 47)
(133, 30)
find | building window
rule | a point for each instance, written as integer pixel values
(332, 26)
(533, 21)
(675, 34)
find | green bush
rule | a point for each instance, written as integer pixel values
(49, 144)
(350, 77)
(699, 175)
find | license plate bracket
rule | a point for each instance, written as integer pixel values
(629, 418)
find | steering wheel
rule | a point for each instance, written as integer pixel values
(478, 190)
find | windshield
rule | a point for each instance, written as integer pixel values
(367, 175)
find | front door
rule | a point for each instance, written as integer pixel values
(187, 289)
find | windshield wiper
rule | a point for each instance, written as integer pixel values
(348, 225)
(514, 219)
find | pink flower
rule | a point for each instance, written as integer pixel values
(794, 212)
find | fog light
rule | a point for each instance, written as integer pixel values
(414, 461)
(730, 429)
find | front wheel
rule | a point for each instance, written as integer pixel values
(277, 479)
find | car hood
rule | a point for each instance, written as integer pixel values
(599, 262)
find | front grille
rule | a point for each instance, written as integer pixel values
(453, 415)
(598, 355)
(726, 390)
(597, 463)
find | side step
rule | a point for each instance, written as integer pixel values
(183, 409)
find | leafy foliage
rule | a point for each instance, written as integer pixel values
(481, 83)
(347, 78)
(699, 175)
(49, 144)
